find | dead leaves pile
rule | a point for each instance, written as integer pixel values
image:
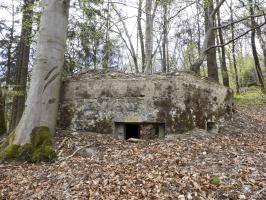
(231, 165)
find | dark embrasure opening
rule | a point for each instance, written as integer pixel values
(132, 131)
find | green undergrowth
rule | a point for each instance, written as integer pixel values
(252, 95)
(39, 149)
(215, 180)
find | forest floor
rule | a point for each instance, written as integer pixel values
(229, 165)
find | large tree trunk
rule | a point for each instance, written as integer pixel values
(38, 121)
(22, 63)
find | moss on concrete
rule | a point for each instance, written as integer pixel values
(39, 149)
(67, 114)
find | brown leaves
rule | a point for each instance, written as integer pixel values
(225, 166)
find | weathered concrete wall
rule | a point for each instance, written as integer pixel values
(95, 100)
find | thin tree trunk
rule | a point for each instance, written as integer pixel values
(107, 46)
(199, 31)
(9, 48)
(165, 36)
(234, 51)
(141, 36)
(2, 114)
(223, 58)
(211, 53)
(95, 54)
(148, 37)
(42, 101)
(262, 44)
(254, 49)
(131, 46)
(22, 63)
(208, 38)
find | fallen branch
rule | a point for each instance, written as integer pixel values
(75, 152)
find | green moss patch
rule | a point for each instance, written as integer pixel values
(215, 180)
(40, 148)
(41, 140)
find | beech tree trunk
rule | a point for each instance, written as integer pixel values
(22, 63)
(43, 98)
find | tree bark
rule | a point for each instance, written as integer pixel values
(234, 51)
(43, 98)
(208, 34)
(262, 44)
(148, 37)
(22, 63)
(165, 66)
(211, 53)
(2, 114)
(223, 57)
(141, 36)
(9, 48)
(107, 45)
(254, 49)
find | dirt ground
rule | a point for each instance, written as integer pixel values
(230, 165)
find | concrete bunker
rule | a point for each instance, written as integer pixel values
(142, 106)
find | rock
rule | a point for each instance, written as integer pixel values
(247, 189)
(189, 196)
(241, 196)
(74, 133)
(259, 195)
(93, 152)
(135, 140)
(181, 197)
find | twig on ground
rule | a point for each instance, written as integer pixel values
(75, 152)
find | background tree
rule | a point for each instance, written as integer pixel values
(22, 62)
